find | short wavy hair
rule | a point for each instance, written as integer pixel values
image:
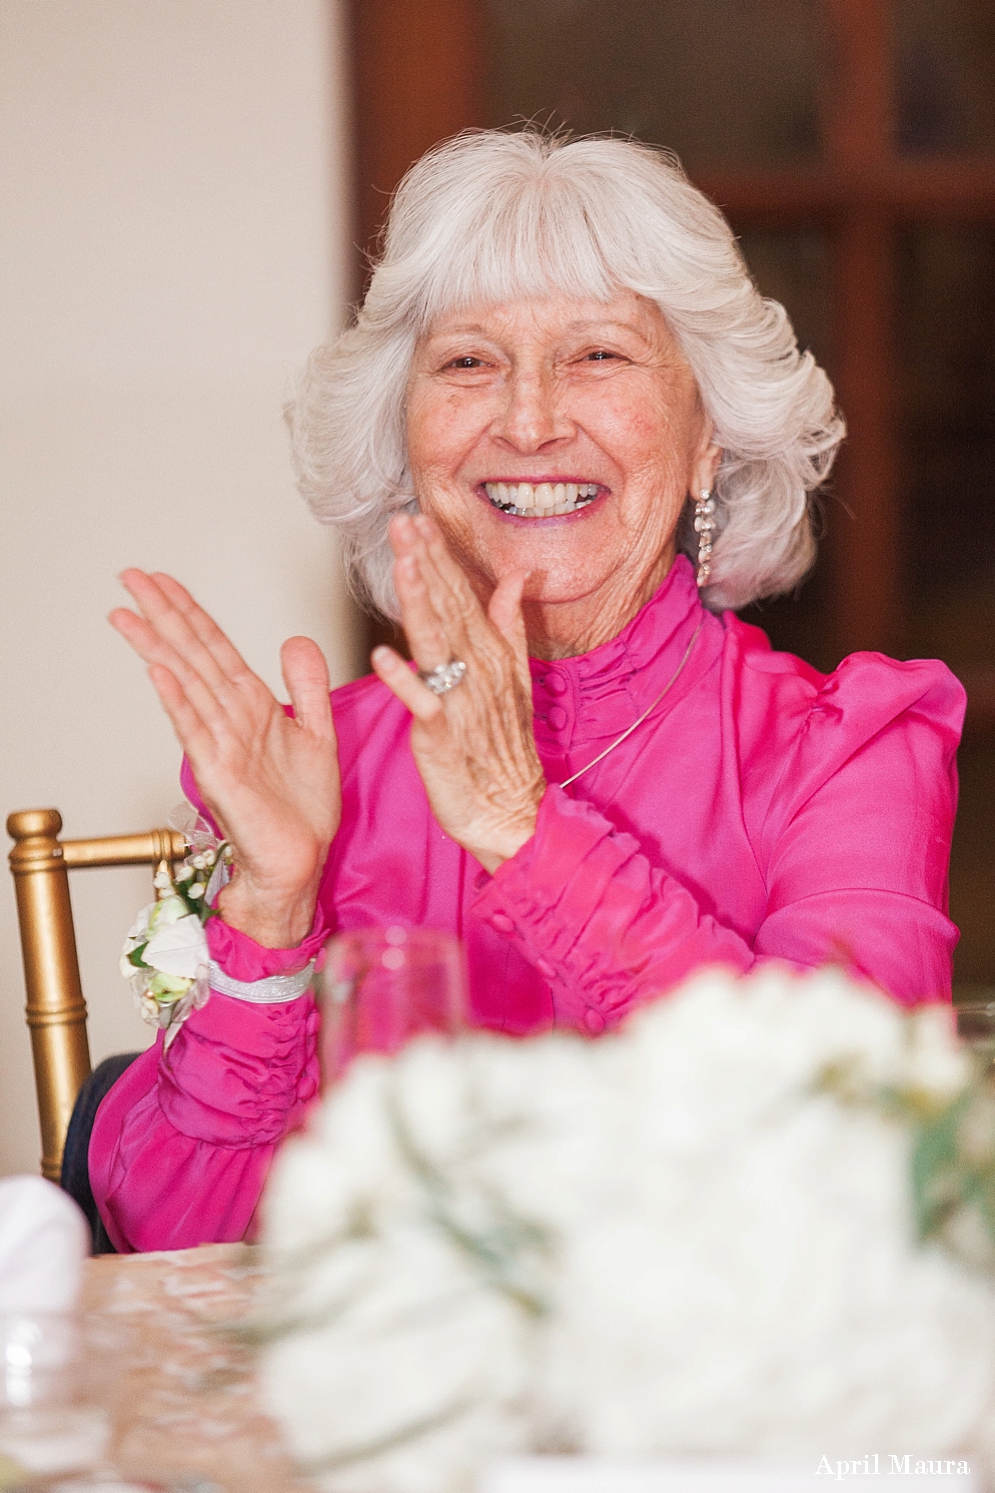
(493, 216)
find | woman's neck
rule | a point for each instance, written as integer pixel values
(565, 629)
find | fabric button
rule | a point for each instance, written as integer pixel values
(557, 718)
(502, 922)
(545, 968)
(594, 1022)
(556, 684)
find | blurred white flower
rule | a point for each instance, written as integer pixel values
(936, 1063)
(673, 1241)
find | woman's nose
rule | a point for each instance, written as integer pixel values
(532, 414)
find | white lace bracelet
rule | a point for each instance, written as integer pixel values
(265, 992)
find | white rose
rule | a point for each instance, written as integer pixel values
(137, 934)
(178, 946)
(167, 910)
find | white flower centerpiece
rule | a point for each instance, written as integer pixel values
(702, 1236)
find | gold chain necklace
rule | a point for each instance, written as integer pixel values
(648, 711)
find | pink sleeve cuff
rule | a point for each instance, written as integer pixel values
(244, 959)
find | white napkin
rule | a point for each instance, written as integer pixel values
(44, 1241)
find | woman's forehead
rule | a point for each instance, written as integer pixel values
(555, 313)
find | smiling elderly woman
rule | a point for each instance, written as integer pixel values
(562, 404)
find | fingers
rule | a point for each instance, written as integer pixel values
(174, 632)
(185, 629)
(156, 653)
(505, 611)
(305, 673)
(391, 668)
(440, 612)
(449, 587)
(190, 730)
(204, 627)
(431, 643)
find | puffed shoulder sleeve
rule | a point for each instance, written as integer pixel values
(856, 841)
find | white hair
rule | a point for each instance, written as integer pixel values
(492, 217)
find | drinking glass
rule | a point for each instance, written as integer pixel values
(976, 1021)
(48, 1421)
(382, 986)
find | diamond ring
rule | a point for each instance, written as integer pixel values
(443, 678)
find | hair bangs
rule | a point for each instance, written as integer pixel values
(533, 244)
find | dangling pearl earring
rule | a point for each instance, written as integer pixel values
(704, 526)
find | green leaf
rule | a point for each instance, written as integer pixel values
(934, 1177)
(944, 1180)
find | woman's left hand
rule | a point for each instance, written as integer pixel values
(474, 745)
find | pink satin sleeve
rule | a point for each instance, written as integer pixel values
(182, 1143)
(604, 926)
(853, 849)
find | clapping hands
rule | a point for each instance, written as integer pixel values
(271, 781)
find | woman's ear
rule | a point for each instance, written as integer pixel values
(707, 461)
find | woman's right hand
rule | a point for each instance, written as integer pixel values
(270, 781)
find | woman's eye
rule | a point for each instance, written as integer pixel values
(600, 355)
(466, 362)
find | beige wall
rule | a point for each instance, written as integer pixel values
(172, 174)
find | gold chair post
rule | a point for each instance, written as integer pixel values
(56, 1010)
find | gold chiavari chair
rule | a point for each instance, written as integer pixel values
(56, 1011)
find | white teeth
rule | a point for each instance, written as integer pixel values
(540, 499)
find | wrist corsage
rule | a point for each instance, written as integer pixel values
(165, 955)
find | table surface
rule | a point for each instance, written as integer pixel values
(177, 1380)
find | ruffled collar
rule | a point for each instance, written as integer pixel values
(596, 695)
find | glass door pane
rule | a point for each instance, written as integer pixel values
(722, 82)
(945, 76)
(946, 338)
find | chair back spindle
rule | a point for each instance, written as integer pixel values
(56, 1010)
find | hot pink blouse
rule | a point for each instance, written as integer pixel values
(762, 811)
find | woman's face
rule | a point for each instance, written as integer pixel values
(552, 401)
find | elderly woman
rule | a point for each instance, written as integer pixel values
(564, 437)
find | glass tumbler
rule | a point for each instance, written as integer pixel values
(383, 986)
(48, 1422)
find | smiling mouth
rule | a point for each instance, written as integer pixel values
(540, 499)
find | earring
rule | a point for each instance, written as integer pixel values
(704, 527)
